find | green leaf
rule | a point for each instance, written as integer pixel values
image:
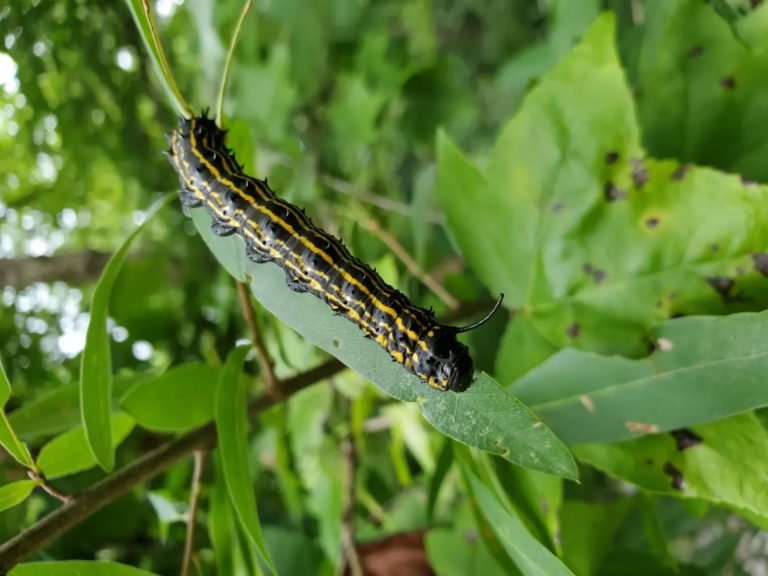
(232, 425)
(221, 528)
(459, 551)
(485, 416)
(703, 90)
(587, 532)
(69, 453)
(96, 366)
(77, 568)
(704, 369)
(154, 402)
(444, 463)
(654, 530)
(591, 242)
(753, 28)
(58, 410)
(163, 74)
(16, 492)
(8, 437)
(722, 468)
(294, 553)
(528, 554)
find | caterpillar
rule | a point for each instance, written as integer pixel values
(313, 260)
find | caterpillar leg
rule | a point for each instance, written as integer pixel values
(256, 256)
(295, 283)
(189, 199)
(222, 229)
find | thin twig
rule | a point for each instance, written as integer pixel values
(194, 505)
(392, 243)
(350, 189)
(47, 487)
(265, 362)
(140, 470)
(350, 557)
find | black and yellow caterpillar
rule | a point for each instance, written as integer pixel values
(314, 261)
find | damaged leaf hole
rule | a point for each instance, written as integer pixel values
(573, 330)
(611, 157)
(612, 193)
(685, 438)
(724, 285)
(760, 263)
(651, 222)
(639, 172)
(729, 83)
(680, 173)
(677, 476)
(695, 51)
(597, 274)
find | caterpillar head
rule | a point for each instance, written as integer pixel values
(455, 368)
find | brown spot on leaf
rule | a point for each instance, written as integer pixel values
(723, 285)
(336, 343)
(680, 173)
(715, 247)
(611, 157)
(639, 173)
(677, 476)
(612, 193)
(557, 206)
(642, 427)
(573, 330)
(729, 83)
(651, 222)
(747, 182)
(685, 438)
(695, 51)
(587, 268)
(598, 275)
(760, 263)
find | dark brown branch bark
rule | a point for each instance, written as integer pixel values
(271, 384)
(147, 466)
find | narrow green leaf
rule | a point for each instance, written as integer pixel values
(144, 22)
(77, 568)
(154, 402)
(220, 520)
(16, 492)
(444, 462)
(588, 531)
(69, 453)
(529, 555)
(654, 531)
(96, 365)
(8, 438)
(704, 369)
(219, 114)
(58, 410)
(232, 425)
(485, 416)
(714, 462)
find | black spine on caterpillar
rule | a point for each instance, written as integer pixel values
(314, 261)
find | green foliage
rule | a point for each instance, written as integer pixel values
(598, 162)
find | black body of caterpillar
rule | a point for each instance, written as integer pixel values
(314, 261)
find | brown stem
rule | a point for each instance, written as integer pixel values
(194, 505)
(52, 490)
(140, 470)
(265, 362)
(397, 248)
(350, 563)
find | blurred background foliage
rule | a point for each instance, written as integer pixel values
(342, 99)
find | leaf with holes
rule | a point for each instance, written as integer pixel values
(591, 241)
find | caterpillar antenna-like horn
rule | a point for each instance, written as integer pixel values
(484, 320)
